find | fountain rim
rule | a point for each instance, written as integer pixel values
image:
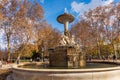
(65, 70)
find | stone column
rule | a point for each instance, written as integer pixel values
(66, 33)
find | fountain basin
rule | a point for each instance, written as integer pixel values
(110, 73)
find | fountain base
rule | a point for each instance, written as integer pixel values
(66, 56)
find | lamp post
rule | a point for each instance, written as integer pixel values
(119, 32)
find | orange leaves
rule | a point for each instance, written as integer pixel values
(20, 18)
(99, 27)
(13, 6)
(38, 10)
(1, 16)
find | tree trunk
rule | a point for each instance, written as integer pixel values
(114, 49)
(98, 48)
(99, 52)
(18, 58)
(8, 46)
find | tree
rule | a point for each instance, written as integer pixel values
(46, 37)
(101, 28)
(3, 54)
(19, 16)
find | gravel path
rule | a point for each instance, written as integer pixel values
(9, 77)
(4, 73)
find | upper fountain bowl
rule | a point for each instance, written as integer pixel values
(65, 17)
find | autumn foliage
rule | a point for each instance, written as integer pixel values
(98, 30)
(24, 28)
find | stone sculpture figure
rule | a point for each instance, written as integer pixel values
(65, 40)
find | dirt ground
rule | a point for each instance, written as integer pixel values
(4, 73)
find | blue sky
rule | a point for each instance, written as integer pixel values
(54, 8)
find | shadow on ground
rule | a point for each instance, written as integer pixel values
(4, 73)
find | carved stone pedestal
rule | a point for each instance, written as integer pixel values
(66, 56)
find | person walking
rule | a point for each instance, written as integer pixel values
(8, 63)
(0, 64)
(18, 61)
(114, 58)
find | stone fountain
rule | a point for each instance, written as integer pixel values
(68, 52)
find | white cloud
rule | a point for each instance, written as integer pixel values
(82, 7)
(42, 1)
(108, 2)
